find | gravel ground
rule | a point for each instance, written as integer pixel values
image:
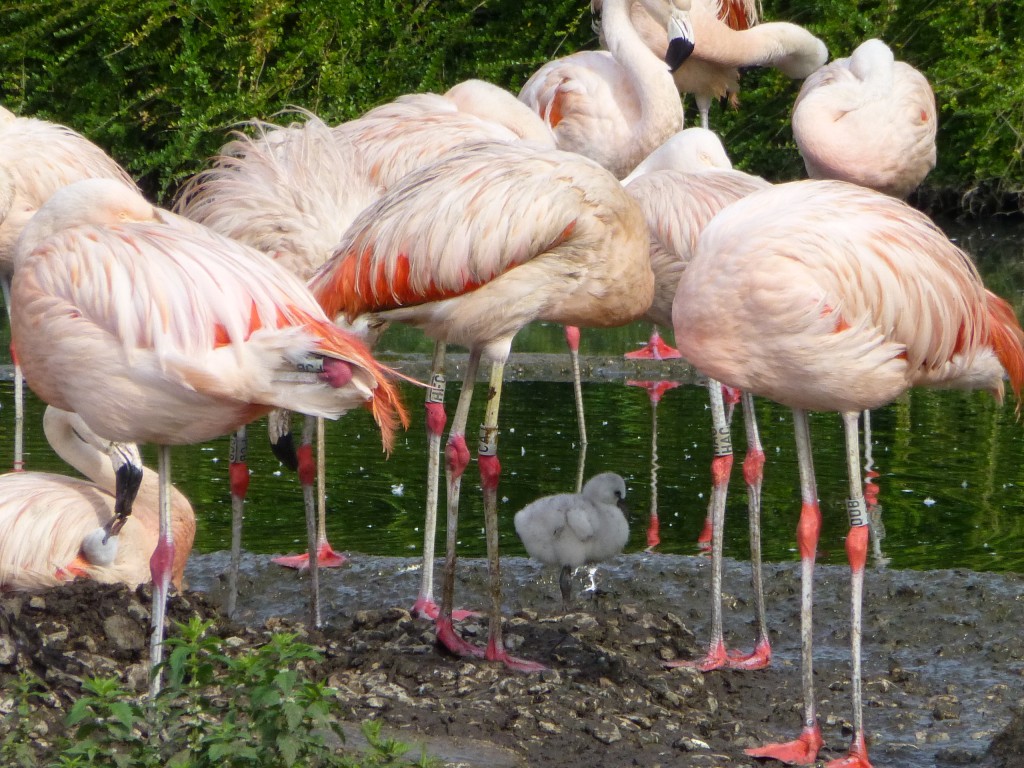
(942, 688)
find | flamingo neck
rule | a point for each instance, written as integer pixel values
(661, 110)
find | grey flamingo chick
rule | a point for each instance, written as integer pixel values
(573, 529)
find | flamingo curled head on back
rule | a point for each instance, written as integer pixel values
(155, 329)
(787, 299)
(867, 119)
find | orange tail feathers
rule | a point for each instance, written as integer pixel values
(386, 406)
(1007, 340)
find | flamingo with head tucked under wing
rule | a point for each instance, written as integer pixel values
(826, 296)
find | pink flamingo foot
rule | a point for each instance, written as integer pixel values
(494, 653)
(802, 751)
(759, 658)
(450, 639)
(857, 757)
(426, 608)
(654, 349)
(717, 658)
(326, 557)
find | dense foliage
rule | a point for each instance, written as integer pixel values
(159, 82)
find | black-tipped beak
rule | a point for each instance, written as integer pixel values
(284, 450)
(680, 41)
(679, 50)
(622, 505)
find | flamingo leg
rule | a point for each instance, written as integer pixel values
(160, 568)
(804, 749)
(572, 338)
(721, 467)
(753, 474)
(239, 475)
(436, 418)
(856, 553)
(490, 473)
(313, 560)
(730, 397)
(19, 390)
(456, 460)
(313, 479)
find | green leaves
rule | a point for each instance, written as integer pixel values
(160, 83)
(218, 709)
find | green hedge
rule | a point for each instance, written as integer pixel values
(159, 83)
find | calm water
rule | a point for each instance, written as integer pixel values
(950, 481)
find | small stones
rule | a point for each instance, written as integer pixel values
(606, 732)
(8, 651)
(123, 633)
(691, 744)
(945, 707)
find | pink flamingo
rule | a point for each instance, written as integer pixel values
(155, 329)
(39, 157)
(678, 206)
(289, 192)
(867, 119)
(471, 249)
(615, 106)
(48, 521)
(292, 191)
(822, 295)
(728, 37)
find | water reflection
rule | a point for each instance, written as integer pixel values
(945, 466)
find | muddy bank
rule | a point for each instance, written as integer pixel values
(944, 659)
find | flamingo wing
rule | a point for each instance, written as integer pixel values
(450, 228)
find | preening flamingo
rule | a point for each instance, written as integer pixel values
(46, 519)
(38, 157)
(822, 295)
(867, 119)
(727, 38)
(678, 206)
(471, 249)
(290, 192)
(615, 106)
(574, 529)
(155, 329)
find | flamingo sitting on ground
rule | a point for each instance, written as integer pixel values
(867, 119)
(155, 329)
(728, 38)
(826, 296)
(574, 529)
(678, 205)
(38, 157)
(471, 249)
(47, 520)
